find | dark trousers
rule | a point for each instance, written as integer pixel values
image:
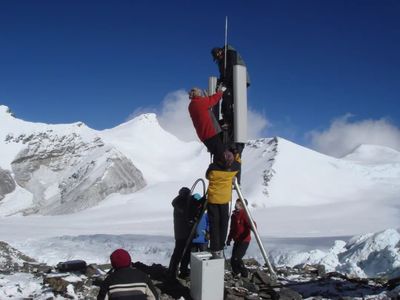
(179, 256)
(238, 251)
(218, 216)
(216, 147)
(197, 247)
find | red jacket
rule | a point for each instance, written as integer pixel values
(202, 116)
(240, 227)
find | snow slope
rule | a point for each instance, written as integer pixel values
(297, 176)
(158, 154)
(292, 190)
(295, 195)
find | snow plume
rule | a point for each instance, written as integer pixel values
(140, 111)
(256, 125)
(174, 116)
(343, 136)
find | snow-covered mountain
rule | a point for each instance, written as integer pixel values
(58, 169)
(297, 176)
(71, 192)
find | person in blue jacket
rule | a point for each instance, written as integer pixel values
(200, 241)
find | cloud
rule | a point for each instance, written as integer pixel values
(343, 135)
(174, 117)
(257, 124)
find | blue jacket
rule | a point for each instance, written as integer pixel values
(202, 228)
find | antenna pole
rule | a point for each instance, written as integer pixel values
(226, 43)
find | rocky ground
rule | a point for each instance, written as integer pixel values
(300, 282)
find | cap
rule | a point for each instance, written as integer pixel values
(214, 52)
(197, 196)
(120, 258)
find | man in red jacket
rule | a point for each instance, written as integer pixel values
(204, 121)
(240, 233)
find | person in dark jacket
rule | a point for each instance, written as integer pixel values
(226, 77)
(187, 209)
(219, 193)
(225, 67)
(181, 233)
(204, 121)
(125, 282)
(240, 233)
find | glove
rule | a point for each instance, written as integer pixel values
(221, 88)
(228, 242)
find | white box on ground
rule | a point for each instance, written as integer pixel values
(206, 277)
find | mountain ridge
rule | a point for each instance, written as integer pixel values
(278, 175)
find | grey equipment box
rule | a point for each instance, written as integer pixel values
(206, 277)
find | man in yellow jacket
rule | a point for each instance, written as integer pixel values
(219, 194)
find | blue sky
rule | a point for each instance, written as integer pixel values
(312, 63)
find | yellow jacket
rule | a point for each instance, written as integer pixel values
(220, 183)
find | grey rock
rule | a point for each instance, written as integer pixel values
(35, 268)
(56, 283)
(250, 286)
(321, 270)
(12, 260)
(68, 173)
(236, 293)
(315, 270)
(261, 277)
(251, 262)
(265, 295)
(289, 294)
(7, 183)
(252, 297)
(93, 270)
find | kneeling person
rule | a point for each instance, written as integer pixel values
(125, 281)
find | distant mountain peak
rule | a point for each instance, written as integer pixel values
(138, 121)
(149, 117)
(369, 153)
(141, 127)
